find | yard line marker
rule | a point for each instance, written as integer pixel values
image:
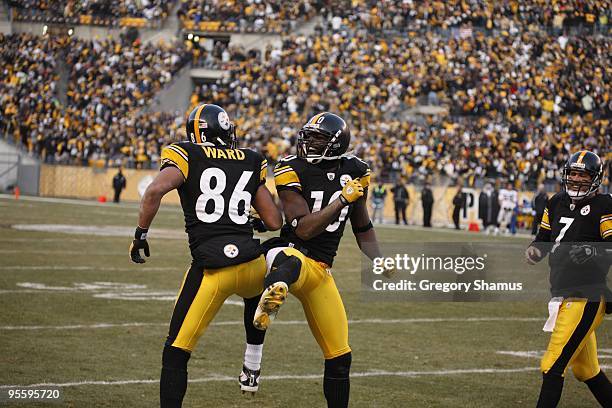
(83, 268)
(283, 323)
(225, 378)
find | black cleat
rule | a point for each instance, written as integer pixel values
(249, 380)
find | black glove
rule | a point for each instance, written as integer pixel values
(579, 254)
(139, 242)
(258, 224)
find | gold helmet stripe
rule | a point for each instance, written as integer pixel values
(315, 118)
(196, 123)
(582, 154)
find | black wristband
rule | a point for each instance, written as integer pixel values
(141, 233)
(343, 200)
(365, 228)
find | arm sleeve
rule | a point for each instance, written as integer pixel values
(263, 171)
(286, 178)
(605, 227)
(174, 155)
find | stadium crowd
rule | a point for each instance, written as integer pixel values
(405, 15)
(103, 120)
(250, 15)
(282, 16)
(517, 104)
(71, 9)
(509, 103)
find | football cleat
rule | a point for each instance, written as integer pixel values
(249, 380)
(270, 302)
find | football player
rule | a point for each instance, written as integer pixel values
(217, 184)
(575, 231)
(320, 189)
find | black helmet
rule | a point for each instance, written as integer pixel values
(209, 123)
(587, 162)
(325, 136)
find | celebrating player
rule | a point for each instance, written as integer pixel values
(320, 189)
(217, 184)
(576, 221)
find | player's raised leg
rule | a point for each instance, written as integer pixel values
(284, 271)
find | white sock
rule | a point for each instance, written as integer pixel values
(252, 356)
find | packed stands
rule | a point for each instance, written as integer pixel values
(104, 120)
(512, 95)
(273, 16)
(134, 13)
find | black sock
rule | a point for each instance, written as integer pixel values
(550, 393)
(253, 335)
(336, 382)
(173, 381)
(284, 269)
(601, 388)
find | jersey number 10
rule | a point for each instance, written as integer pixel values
(215, 194)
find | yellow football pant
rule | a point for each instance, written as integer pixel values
(323, 307)
(572, 343)
(202, 294)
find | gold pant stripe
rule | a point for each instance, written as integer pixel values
(573, 343)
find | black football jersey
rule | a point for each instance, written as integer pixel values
(216, 199)
(319, 186)
(566, 224)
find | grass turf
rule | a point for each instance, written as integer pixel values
(436, 353)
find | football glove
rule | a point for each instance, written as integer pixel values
(581, 253)
(533, 255)
(351, 192)
(258, 224)
(139, 242)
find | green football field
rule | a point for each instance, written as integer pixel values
(78, 315)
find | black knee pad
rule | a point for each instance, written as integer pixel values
(175, 358)
(285, 268)
(338, 367)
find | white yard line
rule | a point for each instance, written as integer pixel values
(283, 322)
(83, 268)
(225, 378)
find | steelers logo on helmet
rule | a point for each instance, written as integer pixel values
(224, 121)
(345, 178)
(209, 123)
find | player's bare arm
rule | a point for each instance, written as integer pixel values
(167, 180)
(363, 230)
(267, 209)
(308, 225)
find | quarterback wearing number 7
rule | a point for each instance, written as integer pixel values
(218, 184)
(575, 233)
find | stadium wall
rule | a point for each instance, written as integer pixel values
(93, 183)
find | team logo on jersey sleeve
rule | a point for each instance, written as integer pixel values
(345, 178)
(231, 250)
(331, 176)
(224, 121)
(585, 210)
